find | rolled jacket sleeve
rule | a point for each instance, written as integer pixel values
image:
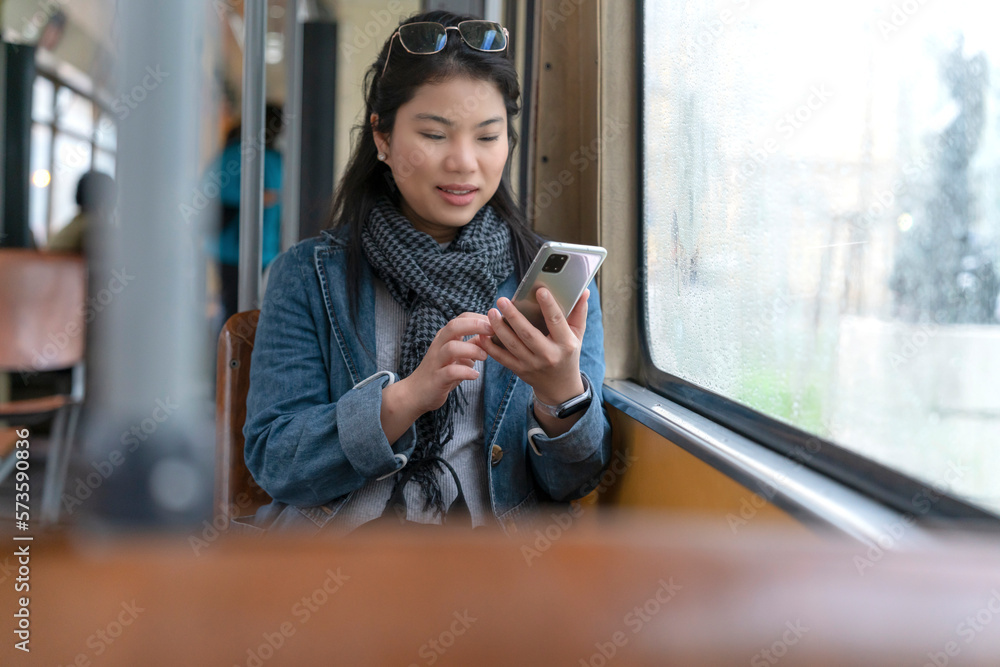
(305, 446)
(576, 444)
(361, 435)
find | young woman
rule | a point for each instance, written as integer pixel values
(376, 388)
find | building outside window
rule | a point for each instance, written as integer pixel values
(822, 222)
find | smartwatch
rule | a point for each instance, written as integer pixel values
(566, 408)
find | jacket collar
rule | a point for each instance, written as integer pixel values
(350, 332)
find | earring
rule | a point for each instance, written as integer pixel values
(381, 156)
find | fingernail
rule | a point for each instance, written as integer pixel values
(543, 294)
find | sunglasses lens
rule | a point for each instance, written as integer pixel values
(483, 35)
(423, 37)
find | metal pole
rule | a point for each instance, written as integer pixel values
(293, 126)
(252, 149)
(158, 322)
(16, 96)
(151, 404)
(493, 10)
(3, 132)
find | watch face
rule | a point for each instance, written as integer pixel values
(573, 409)
(574, 405)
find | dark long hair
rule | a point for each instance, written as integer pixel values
(366, 178)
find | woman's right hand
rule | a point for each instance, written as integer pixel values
(447, 363)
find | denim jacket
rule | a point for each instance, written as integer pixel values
(313, 430)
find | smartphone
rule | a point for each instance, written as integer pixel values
(565, 269)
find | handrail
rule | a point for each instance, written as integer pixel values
(790, 485)
(292, 164)
(252, 154)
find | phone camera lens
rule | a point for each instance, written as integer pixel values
(555, 263)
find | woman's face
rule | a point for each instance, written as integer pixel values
(447, 153)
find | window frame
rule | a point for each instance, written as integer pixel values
(99, 109)
(882, 483)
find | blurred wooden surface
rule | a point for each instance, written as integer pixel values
(645, 590)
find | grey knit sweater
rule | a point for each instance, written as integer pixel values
(464, 451)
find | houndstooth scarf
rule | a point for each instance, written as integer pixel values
(435, 285)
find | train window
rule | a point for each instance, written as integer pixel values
(74, 112)
(41, 179)
(104, 162)
(72, 160)
(42, 100)
(821, 222)
(106, 133)
(66, 143)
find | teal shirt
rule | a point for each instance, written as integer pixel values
(229, 239)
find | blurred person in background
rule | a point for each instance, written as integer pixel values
(95, 195)
(227, 169)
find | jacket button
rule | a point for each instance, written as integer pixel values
(496, 454)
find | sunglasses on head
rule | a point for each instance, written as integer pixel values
(428, 37)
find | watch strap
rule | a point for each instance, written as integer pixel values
(568, 407)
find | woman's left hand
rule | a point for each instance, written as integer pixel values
(549, 364)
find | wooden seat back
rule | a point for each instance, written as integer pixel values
(236, 491)
(41, 310)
